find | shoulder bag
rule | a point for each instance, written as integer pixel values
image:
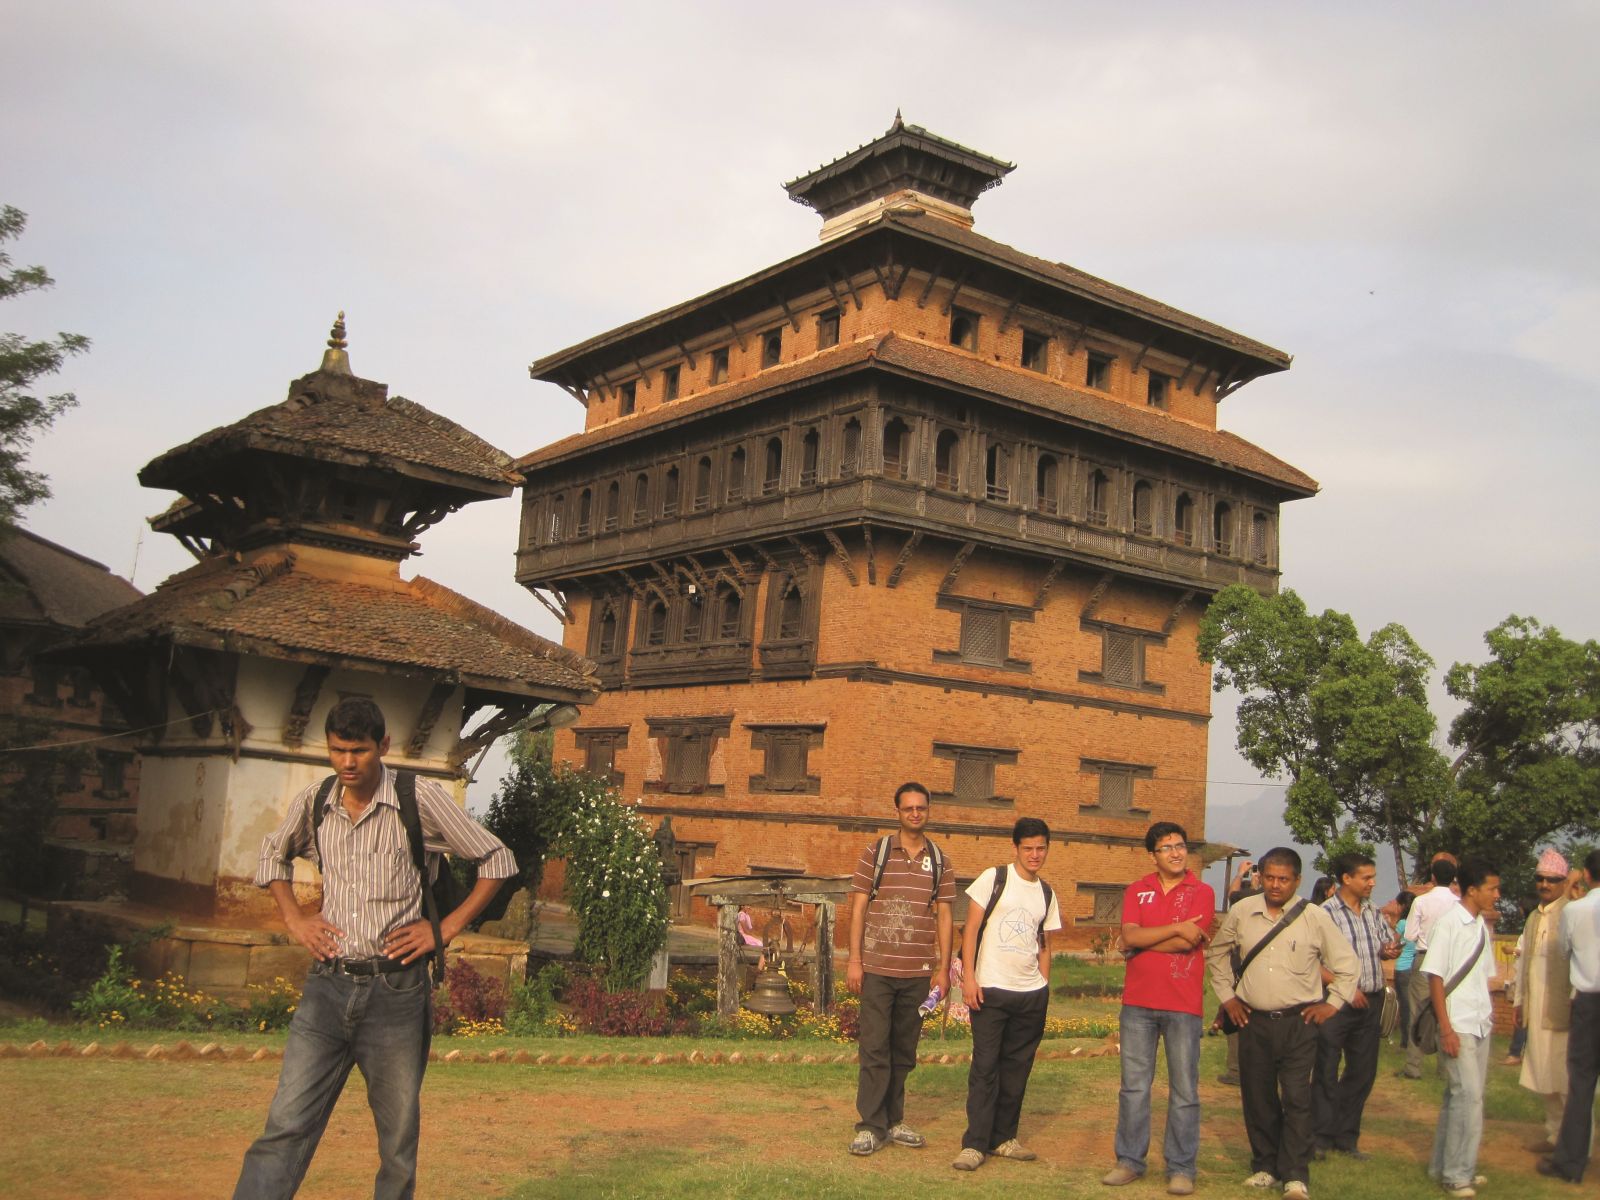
(1224, 1021)
(1425, 1029)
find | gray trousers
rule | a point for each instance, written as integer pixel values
(891, 1027)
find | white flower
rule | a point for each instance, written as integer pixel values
(606, 894)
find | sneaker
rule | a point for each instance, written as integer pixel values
(1119, 1175)
(1463, 1191)
(1511, 1060)
(1014, 1150)
(1229, 1079)
(1353, 1155)
(1295, 1190)
(968, 1160)
(1262, 1179)
(904, 1135)
(865, 1142)
(1180, 1185)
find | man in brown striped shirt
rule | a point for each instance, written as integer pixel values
(367, 1000)
(900, 933)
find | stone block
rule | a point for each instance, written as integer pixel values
(214, 966)
(277, 962)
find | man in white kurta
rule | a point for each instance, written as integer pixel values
(1544, 992)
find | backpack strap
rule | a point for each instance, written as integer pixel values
(938, 870)
(1048, 895)
(881, 861)
(405, 790)
(318, 805)
(992, 904)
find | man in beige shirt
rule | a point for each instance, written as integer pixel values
(1278, 1004)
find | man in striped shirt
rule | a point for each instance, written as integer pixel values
(367, 1000)
(900, 933)
(1351, 1033)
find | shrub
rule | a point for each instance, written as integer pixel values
(467, 997)
(532, 1001)
(621, 1013)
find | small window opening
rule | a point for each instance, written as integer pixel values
(735, 488)
(997, 474)
(613, 504)
(1046, 484)
(964, 329)
(809, 448)
(629, 394)
(947, 460)
(728, 613)
(585, 512)
(1183, 521)
(1222, 529)
(719, 365)
(558, 512)
(1034, 347)
(693, 618)
(669, 383)
(1098, 373)
(772, 479)
(641, 499)
(669, 493)
(828, 329)
(791, 613)
(896, 449)
(772, 348)
(655, 632)
(1099, 498)
(1258, 538)
(702, 486)
(1156, 390)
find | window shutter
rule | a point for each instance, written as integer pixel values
(974, 779)
(983, 637)
(1116, 790)
(1121, 659)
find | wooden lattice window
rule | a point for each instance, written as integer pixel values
(735, 484)
(685, 747)
(1122, 656)
(613, 504)
(972, 776)
(985, 633)
(785, 749)
(1105, 903)
(810, 447)
(1259, 538)
(599, 749)
(997, 474)
(1144, 508)
(113, 775)
(702, 486)
(669, 493)
(1183, 520)
(850, 448)
(896, 449)
(947, 460)
(1046, 488)
(772, 476)
(827, 328)
(1114, 793)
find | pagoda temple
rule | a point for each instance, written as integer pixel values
(910, 505)
(300, 515)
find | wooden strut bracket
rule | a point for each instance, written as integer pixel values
(1077, 337)
(794, 321)
(701, 576)
(1143, 350)
(496, 727)
(950, 300)
(872, 565)
(688, 354)
(844, 277)
(1011, 309)
(906, 552)
(634, 585)
(956, 564)
(555, 603)
(838, 300)
(669, 579)
(741, 569)
(806, 552)
(887, 281)
(428, 717)
(1184, 378)
(1096, 596)
(644, 378)
(769, 563)
(843, 555)
(574, 391)
(1224, 392)
(733, 326)
(1042, 596)
(1171, 622)
(933, 279)
(305, 699)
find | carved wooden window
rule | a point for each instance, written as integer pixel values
(1035, 348)
(558, 513)
(670, 377)
(613, 505)
(1144, 508)
(1222, 529)
(772, 476)
(1047, 485)
(669, 493)
(719, 365)
(985, 633)
(810, 447)
(1097, 498)
(896, 449)
(1115, 795)
(972, 778)
(46, 686)
(827, 328)
(1183, 520)
(1097, 374)
(785, 749)
(113, 775)
(694, 614)
(1122, 656)
(729, 610)
(628, 394)
(1105, 903)
(655, 624)
(641, 499)
(606, 641)
(1156, 390)
(1260, 538)
(735, 486)
(947, 460)
(702, 486)
(772, 347)
(964, 328)
(997, 474)
(850, 449)
(585, 512)
(686, 747)
(599, 749)
(791, 612)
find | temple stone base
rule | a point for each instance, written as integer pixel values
(227, 962)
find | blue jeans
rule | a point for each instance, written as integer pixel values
(1460, 1128)
(1142, 1028)
(380, 1023)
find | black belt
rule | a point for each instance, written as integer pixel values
(367, 966)
(1279, 1013)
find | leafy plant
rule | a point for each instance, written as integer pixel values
(465, 998)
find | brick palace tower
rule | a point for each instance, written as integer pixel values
(909, 505)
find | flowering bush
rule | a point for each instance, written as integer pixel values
(118, 1000)
(621, 1013)
(467, 998)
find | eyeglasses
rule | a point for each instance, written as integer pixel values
(1550, 878)
(1173, 848)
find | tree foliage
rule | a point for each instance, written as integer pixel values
(23, 415)
(1529, 740)
(1347, 721)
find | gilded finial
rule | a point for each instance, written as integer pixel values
(898, 123)
(334, 358)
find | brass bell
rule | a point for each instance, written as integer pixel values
(770, 997)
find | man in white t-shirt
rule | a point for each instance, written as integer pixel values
(1006, 957)
(1426, 910)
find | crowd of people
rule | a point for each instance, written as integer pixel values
(1301, 985)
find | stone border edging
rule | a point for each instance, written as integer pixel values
(184, 1051)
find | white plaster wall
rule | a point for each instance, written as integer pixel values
(182, 802)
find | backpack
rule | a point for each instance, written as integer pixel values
(884, 845)
(994, 902)
(439, 895)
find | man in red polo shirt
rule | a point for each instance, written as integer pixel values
(1166, 918)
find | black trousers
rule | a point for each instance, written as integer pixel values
(1583, 1067)
(1005, 1036)
(890, 1029)
(1337, 1100)
(1276, 1057)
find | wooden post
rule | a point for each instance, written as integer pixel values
(727, 958)
(822, 969)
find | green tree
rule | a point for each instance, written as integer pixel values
(22, 362)
(1528, 767)
(1347, 721)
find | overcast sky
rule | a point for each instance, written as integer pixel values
(1403, 197)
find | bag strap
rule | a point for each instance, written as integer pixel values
(882, 860)
(1294, 915)
(992, 904)
(1459, 976)
(324, 790)
(405, 790)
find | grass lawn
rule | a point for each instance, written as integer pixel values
(138, 1129)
